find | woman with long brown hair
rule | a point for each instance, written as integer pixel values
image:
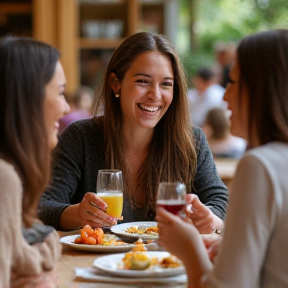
(32, 83)
(146, 133)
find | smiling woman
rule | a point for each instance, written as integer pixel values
(31, 104)
(145, 132)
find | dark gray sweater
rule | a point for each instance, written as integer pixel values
(80, 154)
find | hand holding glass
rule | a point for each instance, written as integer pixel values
(110, 189)
(171, 196)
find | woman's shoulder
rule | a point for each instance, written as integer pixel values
(197, 131)
(274, 154)
(86, 125)
(82, 130)
(199, 138)
(8, 175)
(7, 170)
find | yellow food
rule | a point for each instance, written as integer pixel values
(142, 230)
(136, 261)
(139, 247)
(170, 262)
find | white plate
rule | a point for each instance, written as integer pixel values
(112, 264)
(120, 229)
(69, 241)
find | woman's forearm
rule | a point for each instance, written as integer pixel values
(69, 219)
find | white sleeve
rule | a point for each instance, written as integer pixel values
(249, 222)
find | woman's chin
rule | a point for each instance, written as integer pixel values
(52, 142)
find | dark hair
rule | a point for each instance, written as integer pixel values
(205, 73)
(26, 66)
(172, 148)
(219, 123)
(263, 63)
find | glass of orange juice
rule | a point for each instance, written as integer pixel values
(110, 189)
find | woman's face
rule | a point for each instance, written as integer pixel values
(239, 116)
(146, 90)
(55, 105)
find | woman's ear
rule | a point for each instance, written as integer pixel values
(115, 83)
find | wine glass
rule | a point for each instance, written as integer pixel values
(110, 189)
(172, 197)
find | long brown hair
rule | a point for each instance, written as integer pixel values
(26, 66)
(172, 155)
(263, 63)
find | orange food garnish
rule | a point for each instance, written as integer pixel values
(90, 236)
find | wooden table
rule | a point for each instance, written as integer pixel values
(70, 259)
(226, 168)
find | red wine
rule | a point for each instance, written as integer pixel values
(173, 206)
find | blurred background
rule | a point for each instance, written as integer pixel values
(87, 31)
(205, 34)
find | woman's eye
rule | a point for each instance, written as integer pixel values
(142, 81)
(167, 84)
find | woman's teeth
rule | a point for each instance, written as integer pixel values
(149, 108)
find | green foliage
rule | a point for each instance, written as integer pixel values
(230, 20)
(192, 60)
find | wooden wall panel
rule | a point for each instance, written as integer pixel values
(45, 21)
(67, 36)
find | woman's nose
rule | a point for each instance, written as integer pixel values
(66, 106)
(155, 91)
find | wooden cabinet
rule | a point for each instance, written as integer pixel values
(87, 31)
(16, 17)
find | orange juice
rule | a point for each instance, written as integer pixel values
(114, 200)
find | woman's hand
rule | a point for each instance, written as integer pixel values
(184, 241)
(212, 243)
(91, 211)
(175, 235)
(201, 216)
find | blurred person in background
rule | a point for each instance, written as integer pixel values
(206, 95)
(225, 57)
(32, 83)
(221, 142)
(253, 251)
(81, 104)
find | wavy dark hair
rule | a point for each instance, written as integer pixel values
(26, 66)
(172, 154)
(263, 63)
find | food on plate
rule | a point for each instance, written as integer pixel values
(90, 236)
(142, 230)
(170, 262)
(137, 260)
(139, 247)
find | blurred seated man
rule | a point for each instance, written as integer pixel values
(206, 95)
(221, 142)
(80, 107)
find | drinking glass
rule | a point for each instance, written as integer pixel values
(172, 197)
(110, 189)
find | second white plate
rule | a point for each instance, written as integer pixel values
(120, 229)
(112, 265)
